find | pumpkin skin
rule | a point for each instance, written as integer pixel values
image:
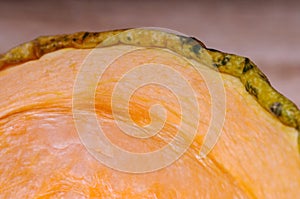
(42, 156)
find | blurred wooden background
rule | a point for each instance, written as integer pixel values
(268, 32)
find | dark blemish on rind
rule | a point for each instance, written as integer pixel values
(225, 60)
(264, 77)
(247, 86)
(276, 108)
(196, 48)
(221, 61)
(52, 40)
(216, 65)
(74, 39)
(248, 66)
(190, 40)
(186, 40)
(251, 89)
(128, 38)
(85, 35)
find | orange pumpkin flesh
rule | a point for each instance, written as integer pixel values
(43, 157)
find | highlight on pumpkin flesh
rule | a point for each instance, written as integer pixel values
(253, 79)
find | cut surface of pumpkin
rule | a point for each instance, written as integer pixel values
(44, 156)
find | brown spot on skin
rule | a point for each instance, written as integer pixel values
(65, 38)
(187, 40)
(264, 77)
(85, 35)
(248, 66)
(196, 48)
(222, 61)
(251, 89)
(276, 108)
(225, 60)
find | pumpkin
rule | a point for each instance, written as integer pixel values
(239, 138)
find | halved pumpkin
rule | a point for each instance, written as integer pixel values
(43, 155)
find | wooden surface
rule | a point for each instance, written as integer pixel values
(266, 32)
